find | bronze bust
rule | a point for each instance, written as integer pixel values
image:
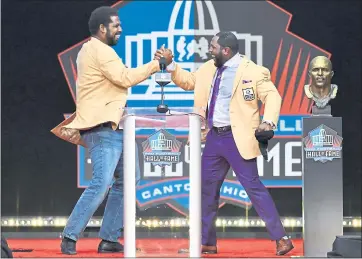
(321, 90)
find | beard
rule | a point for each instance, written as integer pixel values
(111, 40)
(219, 60)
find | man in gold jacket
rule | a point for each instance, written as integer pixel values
(230, 86)
(102, 87)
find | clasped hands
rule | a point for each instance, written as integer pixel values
(163, 52)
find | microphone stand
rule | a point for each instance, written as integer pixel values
(162, 108)
(162, 78)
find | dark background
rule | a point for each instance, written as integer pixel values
(38, 170)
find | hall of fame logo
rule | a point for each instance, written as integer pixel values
(161, 149)
(186, 27)
(322, 144)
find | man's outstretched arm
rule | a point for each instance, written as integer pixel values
(113, 68)
(182, 78)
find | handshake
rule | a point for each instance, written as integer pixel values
(164, 53)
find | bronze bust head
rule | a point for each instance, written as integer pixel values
(321, 90)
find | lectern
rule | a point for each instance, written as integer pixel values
(322, 188)
(161, 149)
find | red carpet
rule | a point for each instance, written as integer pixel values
(45, 248)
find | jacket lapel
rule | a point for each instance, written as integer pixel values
(239, 73)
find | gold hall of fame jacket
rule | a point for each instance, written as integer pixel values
(252, 83)
(101, 89)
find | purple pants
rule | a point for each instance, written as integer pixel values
(219, 154)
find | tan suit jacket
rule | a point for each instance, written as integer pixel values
(102, 88)
(252, 83)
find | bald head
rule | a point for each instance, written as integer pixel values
(320, 61)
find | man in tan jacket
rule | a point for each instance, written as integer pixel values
(229, 87)
(102, 87)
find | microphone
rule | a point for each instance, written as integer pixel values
(263, 137)
(162, 78)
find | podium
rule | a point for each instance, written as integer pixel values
(162, 149)
(322, 188)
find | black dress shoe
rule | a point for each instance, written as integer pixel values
(110, 247)
(284, 246)
(209, 249)
(68, 246)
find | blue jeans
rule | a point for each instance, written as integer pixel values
(105, 147)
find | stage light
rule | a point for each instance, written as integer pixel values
(348, 222)
(292, 222)
(33, 222)
(286, 223)
(218, 222)
(356, 223)
(178, 222)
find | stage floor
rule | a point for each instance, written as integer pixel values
(87, 247)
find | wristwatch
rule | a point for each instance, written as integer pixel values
(269, 123)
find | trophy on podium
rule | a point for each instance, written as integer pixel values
(322, 178)
(321, 91)
(162, 78)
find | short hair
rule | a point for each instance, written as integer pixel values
(101, 15)
(228, 39)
